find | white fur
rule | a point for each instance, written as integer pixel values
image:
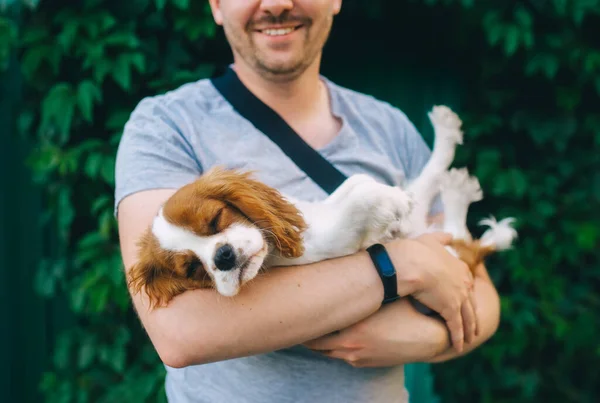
(448, 133)
(458, 191)
(359, 213)
(500, 234)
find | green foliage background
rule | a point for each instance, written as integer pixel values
(530, 72)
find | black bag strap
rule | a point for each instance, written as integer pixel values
(272, 125)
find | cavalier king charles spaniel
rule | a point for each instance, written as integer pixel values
(222, 229)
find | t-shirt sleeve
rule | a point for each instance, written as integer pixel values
(153, 153)
(415, 154)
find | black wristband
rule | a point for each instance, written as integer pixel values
(386, 271)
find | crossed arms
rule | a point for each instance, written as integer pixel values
(302, 304)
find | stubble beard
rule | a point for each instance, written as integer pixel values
(243, 45)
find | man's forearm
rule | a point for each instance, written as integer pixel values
(284, 307)
(398, 334)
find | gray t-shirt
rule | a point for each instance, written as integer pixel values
(172, 138)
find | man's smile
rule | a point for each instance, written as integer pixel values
(279, 31)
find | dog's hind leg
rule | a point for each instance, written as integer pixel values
(458, 191)
(448, 133)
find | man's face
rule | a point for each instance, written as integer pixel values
(276, 38)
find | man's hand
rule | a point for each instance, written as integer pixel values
(428, 272)
(383, 339)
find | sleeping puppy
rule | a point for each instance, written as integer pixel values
(220, 230)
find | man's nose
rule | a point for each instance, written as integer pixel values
(276, 7)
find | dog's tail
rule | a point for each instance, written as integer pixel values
(500, 235)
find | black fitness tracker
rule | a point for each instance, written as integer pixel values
(386, 271)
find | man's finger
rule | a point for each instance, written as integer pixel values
(455, 326)
(469, 320)
(339, 354)
(474, 305)
(473, 301)
(328, 342)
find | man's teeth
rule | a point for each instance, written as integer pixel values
(278, 32)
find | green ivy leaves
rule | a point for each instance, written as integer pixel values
(510, 34)
(533, 124)
(86, 67)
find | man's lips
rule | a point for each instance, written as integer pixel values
(281, 26)
(280, 30)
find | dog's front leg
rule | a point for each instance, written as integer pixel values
(333, 230)
(369, 212)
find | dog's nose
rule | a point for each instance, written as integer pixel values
(225, 258)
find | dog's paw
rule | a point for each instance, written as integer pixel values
(389, 216)
(443, 116)
(446, 124)
(456, 183)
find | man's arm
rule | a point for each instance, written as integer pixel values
(397, 334)
(284, 307)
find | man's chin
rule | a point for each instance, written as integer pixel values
(282, 70)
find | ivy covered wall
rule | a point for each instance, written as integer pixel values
(524, 75)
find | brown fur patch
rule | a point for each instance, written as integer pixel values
(194, 206)
(472, 253)
(163, 274)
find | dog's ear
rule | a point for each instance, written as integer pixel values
(282, 223)
(153, 274)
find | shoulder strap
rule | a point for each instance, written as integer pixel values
(272, 125)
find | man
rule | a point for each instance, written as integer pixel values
(315, 333)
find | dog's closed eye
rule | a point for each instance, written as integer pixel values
(214, 223)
